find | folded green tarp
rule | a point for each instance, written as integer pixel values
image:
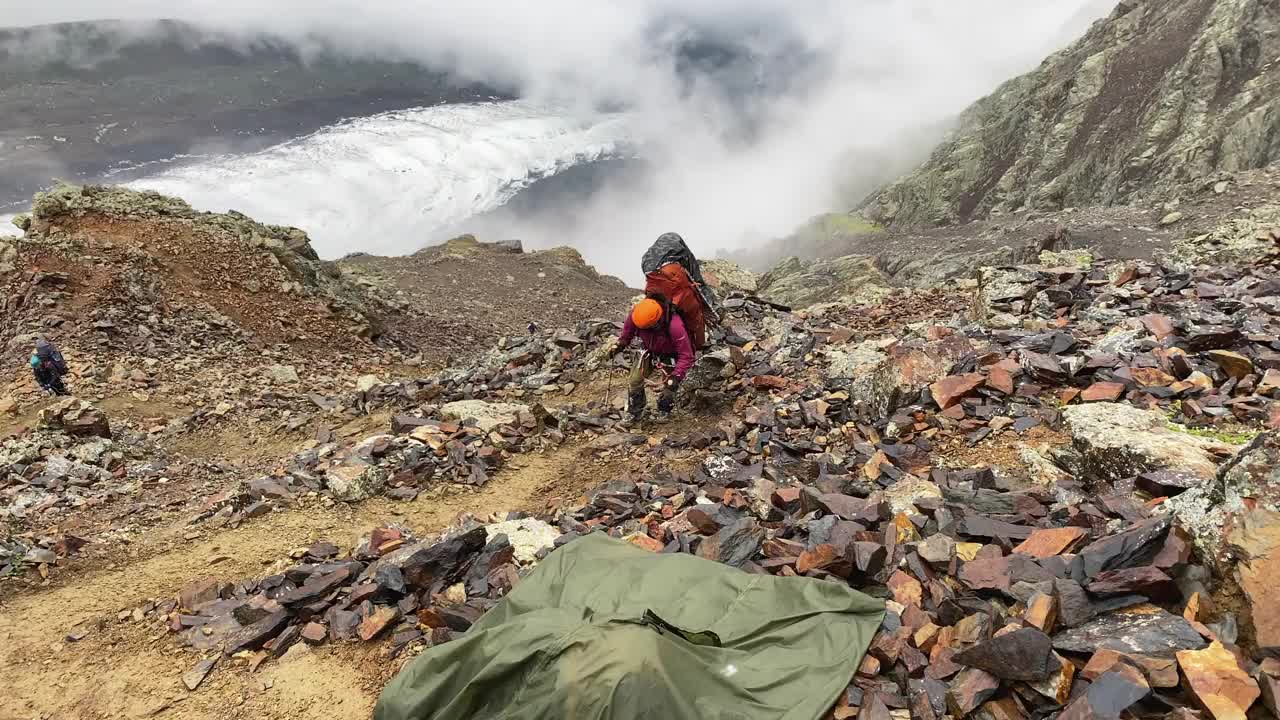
(602, 629)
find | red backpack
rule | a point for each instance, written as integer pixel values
(672, 282)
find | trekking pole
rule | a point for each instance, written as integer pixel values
(608, 388)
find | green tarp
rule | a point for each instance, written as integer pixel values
(602, 629)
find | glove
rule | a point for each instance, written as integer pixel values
(615, 349)
(667, 400)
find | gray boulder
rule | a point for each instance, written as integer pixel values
(354, 480)
(1207, 511)
(1115, 441)
(486, 414)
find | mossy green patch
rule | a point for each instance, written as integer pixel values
(845, 224)
(1230, 437)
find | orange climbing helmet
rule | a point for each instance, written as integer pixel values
(646, 313)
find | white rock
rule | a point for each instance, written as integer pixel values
(1117, 441)
(527, 536)
(283, 374)
(487, 415)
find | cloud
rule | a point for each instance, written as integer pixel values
(842, 94)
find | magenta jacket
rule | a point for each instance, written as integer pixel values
(672, 340)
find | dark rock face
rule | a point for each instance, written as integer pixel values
(1025, 654)
(1148, 633)
(1146, 53)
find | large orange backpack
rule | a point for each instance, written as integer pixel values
(672, 282)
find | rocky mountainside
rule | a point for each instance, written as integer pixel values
(1059, 476)
(470, 293)
(1161, 95)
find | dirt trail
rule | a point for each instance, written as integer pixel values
(133, 670)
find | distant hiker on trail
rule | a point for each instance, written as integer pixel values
(667, 347)
(48, 366)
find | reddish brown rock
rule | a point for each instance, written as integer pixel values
(906, 589)
(1233, 364)
(1042, 612)
(1000, 380)
(199, 592)
(951, 390)
(644, 542)
(380, 620)
(969, 690)
(1214, 677)
(1159, 325)
(1152, 377)
(1102, 392)
(772, 382)
(819, 558)
(1051, 541)
(1256, 542)
(314, 633)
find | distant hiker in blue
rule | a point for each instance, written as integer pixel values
(48, 366)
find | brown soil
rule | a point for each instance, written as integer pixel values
(124, 669)
(1000, 451)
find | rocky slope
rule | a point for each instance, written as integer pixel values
(468, 293)
(1060, 477)
(1161, 95)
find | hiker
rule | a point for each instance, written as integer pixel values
(666, 347)
(669, 261)
(48, 366)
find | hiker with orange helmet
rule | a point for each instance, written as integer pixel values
(666, 344)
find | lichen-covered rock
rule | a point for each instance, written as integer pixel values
(1001, 294)
(903, 494)
(883, 378)
(1245, 239)
(77, 418)
(8, 257)
(1158, 94)
(527, 536)
(353, 481)
(726, 276)
(1206, 512)
(800, 283)
(1066, 258)
(1115, 441)
(486, 414)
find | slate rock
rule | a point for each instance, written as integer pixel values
(256, 635)
(316, 588)
(196, 675)
(970, 689)
(426, 562)
(1139, 631)
(735, 544)
(1025, 654)
(1147, 581)
(1108, 696)
(1134, 547)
